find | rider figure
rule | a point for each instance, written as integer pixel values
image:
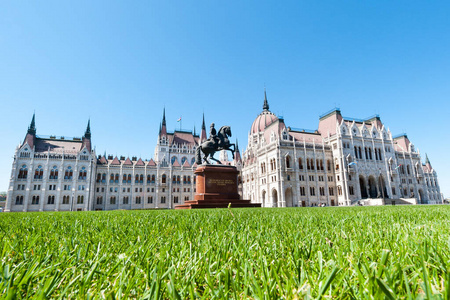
(213, 135)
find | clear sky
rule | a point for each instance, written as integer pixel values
(120, 63)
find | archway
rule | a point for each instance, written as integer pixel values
(362, 185)
(274, 198)
(288, 198)
(382, 188)
(421, 197)
(372, 187)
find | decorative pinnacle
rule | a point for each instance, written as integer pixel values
(32, 128)
(87, 134)
(266, 104)
(203, 123)
(164, 117)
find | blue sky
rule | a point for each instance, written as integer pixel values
(121, 63)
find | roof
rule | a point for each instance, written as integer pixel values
(58, 145)
(263, 120)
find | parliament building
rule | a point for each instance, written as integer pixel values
(344, 162)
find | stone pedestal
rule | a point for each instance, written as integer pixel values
(217, 187)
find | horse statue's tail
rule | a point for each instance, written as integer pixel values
(198, 155)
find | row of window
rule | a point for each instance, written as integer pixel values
(368, 153)
(137, 200)
(312, 191)
(50, 199)
(139, 178)
(39, 173)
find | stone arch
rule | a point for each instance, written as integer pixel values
(288, 197)
(274, 197)
(421, 196)
(263, 199)
(382, 188)
(373, 191)
(363, 187)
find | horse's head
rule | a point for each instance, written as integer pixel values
(225, 130)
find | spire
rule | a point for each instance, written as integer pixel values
(203, 132)
(237, 155)
(427, 161)
(266, 104)
(87, 134)
(194, 130)
(164, 117)
(32, 128)
(159, 128)
(163, 130)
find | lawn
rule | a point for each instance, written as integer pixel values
(356, 252)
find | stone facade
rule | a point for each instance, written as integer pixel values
(345, 161)
(62, 174)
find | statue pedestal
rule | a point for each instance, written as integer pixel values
(217, 187)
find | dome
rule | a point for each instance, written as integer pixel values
(262, 121)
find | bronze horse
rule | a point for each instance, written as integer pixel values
(209, 147)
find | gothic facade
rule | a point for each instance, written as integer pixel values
(65, 174)
(344, 162)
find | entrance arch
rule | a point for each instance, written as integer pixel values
(362, 185)
(421, 197)
(372, 187)
(288, 198)
(263, 200)
(274, 198)
(382, 187)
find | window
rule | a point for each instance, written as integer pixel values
(53, 173)
(350, 190)
(331, 191)
(138, 200)
(312, 191)
(39, 173)
(112, 200)
(163, 178)
(175, 199)
(163, 199)
(322, 191)
(311, 178)
(80, 199)
(67, 187)
(82, 174)
(19, 200)
(51, 199)
(68, 174)
(23, 172)
(302, 191)
(301, 177)
(125, 200)
(300, 164)
(99, 200)
(330, 178)
(339, 190)
(328, 165)
(288, 162)
(393, 191)
(150, 199)
(35, 200)
(320, 178)
(65, 199)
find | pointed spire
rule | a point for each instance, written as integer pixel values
(32, 128)
(164, 117)
(237, 155)
(159, 128)
(194, 130)
(203, 132)
(87, 134)
(427, 161)
(266, 104)
(203, 123)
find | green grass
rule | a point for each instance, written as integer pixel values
(350, 253)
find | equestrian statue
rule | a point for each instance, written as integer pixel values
(216, 142)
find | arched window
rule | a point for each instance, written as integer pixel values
(82, 174)
(288, 162)
(99, 200)
(117, 178)
(112, 200)
(300, 163)
(356, 152)
(174, 179)
(19, 200)
(189, 179)
(367, 155)
(23, 172)
(312, 164)
(328, 165)
(178, 179)
(104, 177)
(408, 170)
(141, 178)
(111, 178)
(38, 173)
(183, 160)
(153, 178)
(184, 179)
(148, 178)
(337, 164)
(370, 153)
(35, 200)
(51, 199)
(99, 177)
(54, 173)
(379, 154)
(80, 199)
(359, 150)
(308, 166)
(68, 174)
(129, 178)
(124, 178)
(163, 178)
(136, 178)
